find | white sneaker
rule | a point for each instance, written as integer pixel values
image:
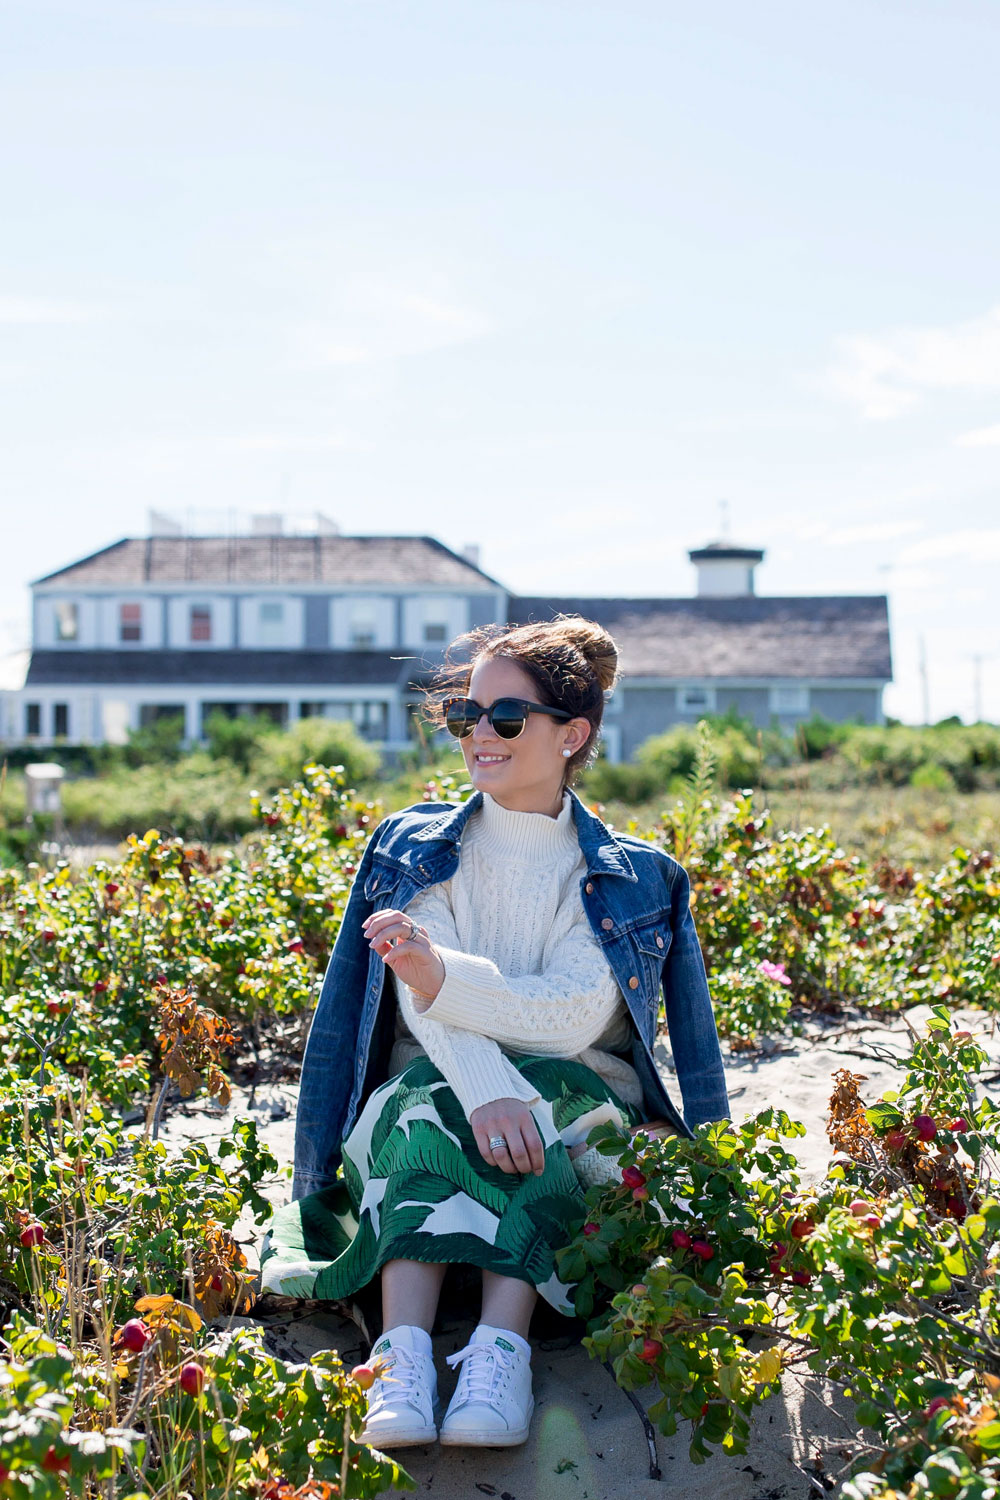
(403, 1402)
(492, 1404)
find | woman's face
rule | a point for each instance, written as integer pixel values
(524, 774)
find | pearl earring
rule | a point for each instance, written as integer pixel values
(567, 753)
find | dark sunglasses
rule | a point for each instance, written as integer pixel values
(506, 717)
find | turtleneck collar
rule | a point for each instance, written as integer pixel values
(526, 836)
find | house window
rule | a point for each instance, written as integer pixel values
(60, 720)
(790, 700)
(369, 716)
(371, 719)
(200, 622)
(434, 632)
(32, 719)
(271, 622)
(362, 631)
(67, 620)
(152, 713)
(130, 622)
(692, 699)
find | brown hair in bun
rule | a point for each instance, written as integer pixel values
(572, 662)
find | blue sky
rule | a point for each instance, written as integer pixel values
(550, 276)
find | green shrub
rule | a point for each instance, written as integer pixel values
(161, 742)
(281, 755)
(931, 774)
(236, 739)
(197, 798)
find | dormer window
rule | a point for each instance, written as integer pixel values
(67, 620)
(363, 634)
(271, 622)
(130, 622)
(200, 626)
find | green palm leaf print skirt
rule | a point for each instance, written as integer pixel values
(414, 1187)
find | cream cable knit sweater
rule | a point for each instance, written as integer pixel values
(524, 971)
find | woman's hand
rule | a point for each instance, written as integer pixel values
(408, 951)
(513, 1120)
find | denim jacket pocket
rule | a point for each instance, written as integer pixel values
(381, 883)
(652, 944)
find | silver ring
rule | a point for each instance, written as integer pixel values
(413, 929)
(498, 1143)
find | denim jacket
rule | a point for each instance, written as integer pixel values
(637, 900)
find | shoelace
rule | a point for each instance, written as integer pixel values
(485, 1366)
(400, 1373)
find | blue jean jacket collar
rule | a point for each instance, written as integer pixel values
(601, 850)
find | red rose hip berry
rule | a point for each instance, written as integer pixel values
(191, 1378)
(633, 1178)
(134, 1335)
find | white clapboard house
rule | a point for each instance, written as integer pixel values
(352, 626)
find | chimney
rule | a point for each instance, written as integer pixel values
(725, 571)
(471, 553)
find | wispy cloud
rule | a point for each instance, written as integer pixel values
(849, 536)
(885, 375)
(46, 310)
(980, 437)
(973, 544)
(374, 319)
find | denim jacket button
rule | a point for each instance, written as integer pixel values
(659, 941)
(633, 983)
(607, 924)
(589, 887)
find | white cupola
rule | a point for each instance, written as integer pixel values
(725, 571)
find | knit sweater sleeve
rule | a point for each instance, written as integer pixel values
(472, 1064)
(556, 1013)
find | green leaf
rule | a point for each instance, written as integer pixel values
(988, 1437)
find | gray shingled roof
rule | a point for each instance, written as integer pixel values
(364, 560)
(845, 636)
(157, 669)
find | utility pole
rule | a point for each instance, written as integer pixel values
(977, 685)
(977, 658)
(923, 679)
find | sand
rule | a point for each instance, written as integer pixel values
(587, 1442)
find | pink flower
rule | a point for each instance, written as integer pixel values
(774, 971)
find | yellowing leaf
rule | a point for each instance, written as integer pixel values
(768, 1366)
(154, 1305)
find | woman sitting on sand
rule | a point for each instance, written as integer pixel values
(528, 947)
